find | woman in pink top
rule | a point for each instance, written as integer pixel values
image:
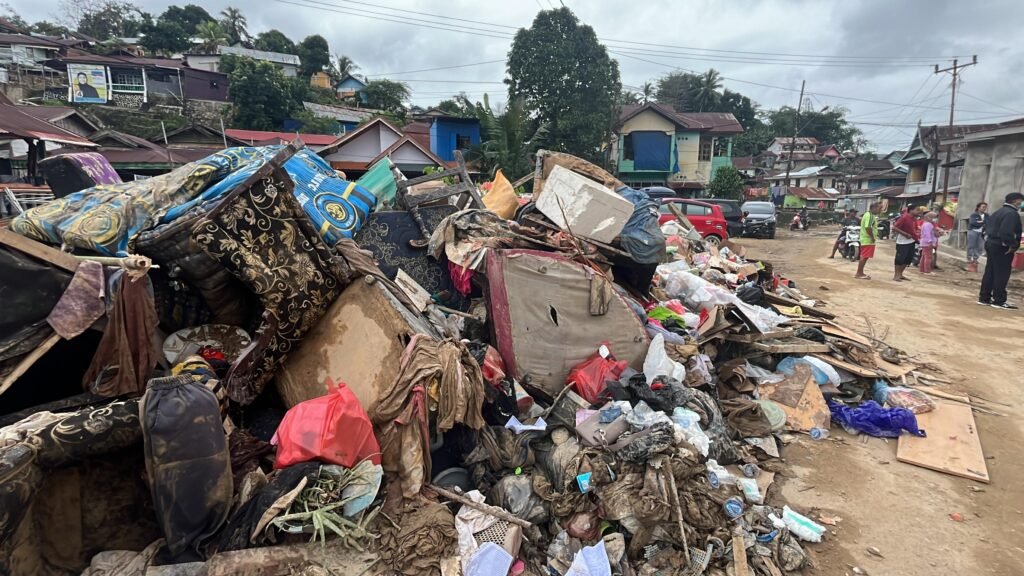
(929, 242)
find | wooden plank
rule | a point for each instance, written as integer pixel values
(759, 336)
(855, 369)
(28, 361)
(833, 329)
(791, 346)
(893, 370)
(776, 299)
(39, 250)
(952, 445)
(739, 554)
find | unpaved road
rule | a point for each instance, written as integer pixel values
(902, 510)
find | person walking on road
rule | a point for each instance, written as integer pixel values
(868, 234)
(976, 235)
(849, 220)
(907, 237)
(929, 241)
(1002, 231)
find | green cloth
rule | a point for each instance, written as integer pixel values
(868, 222)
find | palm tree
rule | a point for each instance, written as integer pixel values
(647, 92)
(346, 66)
(212, 35)
(509, 138)
(705, 91)
(235, 24)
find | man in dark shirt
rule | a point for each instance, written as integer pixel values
(1003, 231)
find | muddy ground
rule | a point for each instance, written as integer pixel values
(902, 510)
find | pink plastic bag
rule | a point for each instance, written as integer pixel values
(589, 376)
(333, 429)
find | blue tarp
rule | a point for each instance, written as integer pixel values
(652, 151)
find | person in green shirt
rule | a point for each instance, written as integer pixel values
(868, 234)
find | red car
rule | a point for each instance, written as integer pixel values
(708, 219)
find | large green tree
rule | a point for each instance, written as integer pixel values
(275, 41)
(188, 17)
(8, 13)
(165, 37)
(315, 55)
(112, 19)
(565, 76)
(48, 28)
(346, 66)
(212, 35)
(705, 92)
(261, 94)
(727, 183)
(676, 89)
(235, 24)
(387, 95)
(829, 126)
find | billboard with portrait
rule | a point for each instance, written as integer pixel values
(87, 84)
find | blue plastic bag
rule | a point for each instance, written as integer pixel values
(872, 419)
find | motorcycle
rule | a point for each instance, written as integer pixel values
(797, 223)
(849, 244)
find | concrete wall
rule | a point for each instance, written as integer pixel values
(648, 120)
(994, 168)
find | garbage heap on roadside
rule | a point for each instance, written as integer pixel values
(248, 354)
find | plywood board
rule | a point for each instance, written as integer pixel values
(834, 329)
(855, 369)
(800, 398)
(790, 346)
(952, 445)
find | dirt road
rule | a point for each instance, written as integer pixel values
(902, 510)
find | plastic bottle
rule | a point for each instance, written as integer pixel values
(801, 526)
(751, 491)
(819, 433)
(733, 507)
(724, 476)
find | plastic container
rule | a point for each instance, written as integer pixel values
(733, 507)
(751, 491)
(751, 470)
(801, 526)
(819, 433)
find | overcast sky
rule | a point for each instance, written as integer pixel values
(777, 43)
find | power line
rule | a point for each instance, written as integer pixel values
(962, 93)
(456, 81)
(440, 68)
(770, 61)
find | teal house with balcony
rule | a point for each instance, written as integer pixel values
(656, 146)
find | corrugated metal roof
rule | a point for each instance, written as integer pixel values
(338, 112)
(260, 55)
(15, 123)
(257, 136)
(812, 193)
(26, 40)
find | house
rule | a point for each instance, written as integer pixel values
(197, 136)
(17, 128)
(287, 63)
(320, 80)
(656, 146)
(22, 53)
(746, 167)
(347, 118)
(65, 117)
(314, 142)
(802, 152)
(815, 176)
(132, 156)
(927, 156)
(993, 165)
(131, 82)
(359, 149)
(810, 197)
(870, 180)
(828, 152)
(451, 133)
(895, 158)
(351, 87)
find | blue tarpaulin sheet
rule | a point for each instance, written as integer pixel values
(652, 151)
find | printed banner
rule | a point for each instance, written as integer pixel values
(87, 83)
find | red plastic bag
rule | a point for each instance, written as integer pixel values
(333, 429)
(493, 368)
(589, 377)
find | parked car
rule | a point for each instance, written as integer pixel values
(760, 219)
(733, 214)
(708, 219)
(658, 192)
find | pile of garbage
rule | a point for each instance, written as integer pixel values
(415, 378)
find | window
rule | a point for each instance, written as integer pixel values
(796, 183)
(462, 142)
(697, 210)
(705, 152)
(821, 183)
(627, 147)
(833, 183)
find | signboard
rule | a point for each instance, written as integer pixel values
(87, 84)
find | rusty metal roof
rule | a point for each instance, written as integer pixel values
(16, 124)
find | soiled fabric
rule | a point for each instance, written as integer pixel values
(123, 562)
(400, 417)
(746, 418)
(422, 534)
(30, 289)
(82, 302)
(260, 234)
(108, 218)
(67, 173)
(239, 533)
(20, 479)
(186, 461)
(126, 355)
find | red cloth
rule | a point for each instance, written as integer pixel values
(927, 259)
(461, 277)
(908, 223)
(867, 252)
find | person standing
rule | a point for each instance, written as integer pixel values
(929, 240)
(907, 237)
(868, 234)
(1002, 231)
(976, 235)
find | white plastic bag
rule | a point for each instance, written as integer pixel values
(658, 363)
(689, 422)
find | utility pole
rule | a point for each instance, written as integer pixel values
(955, 71)
(796, 130)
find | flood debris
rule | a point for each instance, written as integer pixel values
(297, 372)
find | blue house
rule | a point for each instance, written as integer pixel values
(450, 133)
(351, 87)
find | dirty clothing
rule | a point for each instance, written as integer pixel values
(422, 534)
(126, 355)
(186, 461)
(82, 302)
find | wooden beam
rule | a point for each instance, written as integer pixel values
(28, 361)
(39, 250)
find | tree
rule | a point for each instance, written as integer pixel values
(260, 93)
(165, 38)
(189, 17)
(108, 19)
(316, 125)
(212, 36)
(234, 23)
(50, 29)
(743, 108)
(565, 77)
(508, 138)
(646, 92)
(275, 41)
(314, 54)
(346, 66)
(829, 126)
(727, 183)
(676, 90)
(705, 92)
(627, 97)
(7, 13)
(387, 95)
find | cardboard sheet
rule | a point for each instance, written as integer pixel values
(800, 398)
(952, 445)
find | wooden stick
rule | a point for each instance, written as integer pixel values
(28, 360)
(678, 507)
(499, 513)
